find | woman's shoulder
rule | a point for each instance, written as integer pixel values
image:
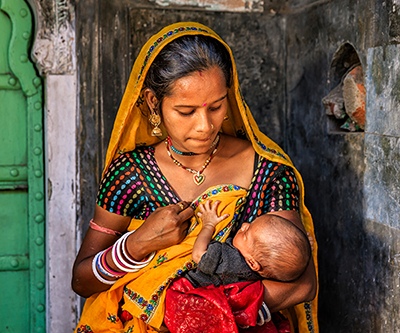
(237, 146)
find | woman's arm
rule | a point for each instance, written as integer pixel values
(166, 226)
(279, 296)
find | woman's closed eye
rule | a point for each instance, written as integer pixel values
(215, 108)
(186, 113)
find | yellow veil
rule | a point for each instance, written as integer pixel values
(132, 128)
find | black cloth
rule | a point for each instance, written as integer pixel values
(221, 264)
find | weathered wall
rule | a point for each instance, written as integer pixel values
(351, 186)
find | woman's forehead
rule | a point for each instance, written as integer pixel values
(209, 83)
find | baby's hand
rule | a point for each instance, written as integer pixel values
(208, 214)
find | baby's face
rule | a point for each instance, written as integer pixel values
(244, 239)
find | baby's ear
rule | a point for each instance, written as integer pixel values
(254, 264)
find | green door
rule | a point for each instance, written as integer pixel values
(22, 248)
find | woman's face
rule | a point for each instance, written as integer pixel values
(194, 112)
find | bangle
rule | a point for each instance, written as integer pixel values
(117, 258)
(103, 268)
(141, 264)
(264, 315)
(104, 230)
(96, 273)
(122, 260)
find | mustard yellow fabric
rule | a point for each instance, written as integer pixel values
(131, 128)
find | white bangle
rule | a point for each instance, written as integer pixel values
(118, 261)
(123, 261)
(140, 264)
(264, 316)
(97, 274)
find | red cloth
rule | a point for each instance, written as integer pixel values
(216, 309)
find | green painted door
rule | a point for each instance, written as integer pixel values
(22, 248)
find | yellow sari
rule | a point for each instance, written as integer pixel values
(143, 292)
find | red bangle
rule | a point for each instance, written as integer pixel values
(95, 226)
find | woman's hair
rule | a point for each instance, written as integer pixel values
(182, 57)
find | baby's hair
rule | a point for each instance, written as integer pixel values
(283, 250)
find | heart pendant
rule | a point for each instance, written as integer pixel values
(198, 178)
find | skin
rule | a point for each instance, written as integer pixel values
(193, 118)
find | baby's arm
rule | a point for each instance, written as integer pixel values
(210, 218)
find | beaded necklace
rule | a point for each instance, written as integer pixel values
(176, 151)
(198, 176)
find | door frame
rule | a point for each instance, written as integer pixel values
(54, 54)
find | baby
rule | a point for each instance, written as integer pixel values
(270, 247)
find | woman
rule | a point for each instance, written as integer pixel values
(184, 113)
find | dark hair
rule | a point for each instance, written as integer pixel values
(283, 250)
(184, 56)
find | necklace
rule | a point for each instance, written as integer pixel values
(198, 176)
(176, 151)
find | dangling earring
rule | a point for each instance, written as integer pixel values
(155, 120)
(226, 117)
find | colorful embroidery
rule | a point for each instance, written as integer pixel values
(160, 40)
(310, 323)
(150, 306)
(130, 329)
(161, 259)
(84, 329)
(134, 185)
(224, 232)
(213, 191)
(113, 318)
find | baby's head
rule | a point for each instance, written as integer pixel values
(274, 247)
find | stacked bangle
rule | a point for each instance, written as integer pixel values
(102, 266)
(95, 271)
(120, 258)
(264, 315)
(123, 261)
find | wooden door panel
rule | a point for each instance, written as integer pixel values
(15, 293)
(22, 242)
(14, 223)
(13, 131)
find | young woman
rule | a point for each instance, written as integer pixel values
(183, 134)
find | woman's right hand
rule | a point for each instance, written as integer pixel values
(165, 227)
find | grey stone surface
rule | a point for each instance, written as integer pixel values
(379, 307)
(382, 181)
(383, 90)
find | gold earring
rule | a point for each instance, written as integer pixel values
(212, 126)
(226, 117)
(155, 120)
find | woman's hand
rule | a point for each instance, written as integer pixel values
(165, 227)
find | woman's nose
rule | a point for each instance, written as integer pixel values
(203, 123)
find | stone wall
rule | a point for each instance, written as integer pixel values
(352, 187)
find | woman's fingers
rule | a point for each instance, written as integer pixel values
(180, 206)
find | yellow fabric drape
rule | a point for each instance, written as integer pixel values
(131, 129)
